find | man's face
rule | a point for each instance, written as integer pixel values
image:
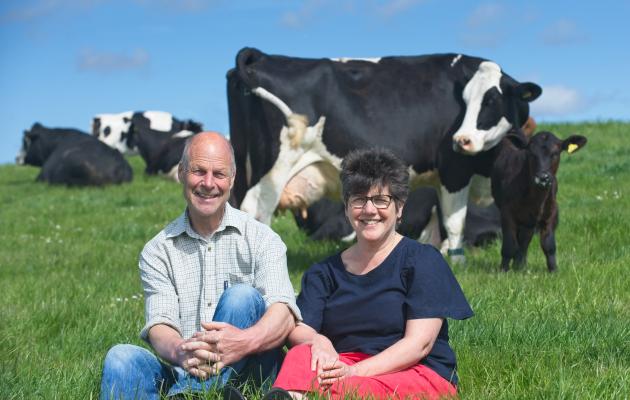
(208, 179)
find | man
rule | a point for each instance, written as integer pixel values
(218, 299)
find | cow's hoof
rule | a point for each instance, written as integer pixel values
(457, 256)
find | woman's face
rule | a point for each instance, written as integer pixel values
(375, 220)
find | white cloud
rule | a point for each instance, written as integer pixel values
(394, 7)
(557, 101)
(563, 32)
(305, 14)
(105, 62)
(180, 5)
(28, 11)
(485, 14)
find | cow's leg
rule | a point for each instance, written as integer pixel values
(509, 245)
(524, 237)
(454, 207)
(548, 244)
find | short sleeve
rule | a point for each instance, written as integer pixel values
(432, 290)
(316, 288)
(272, 275)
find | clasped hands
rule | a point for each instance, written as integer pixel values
(208, 351)
(325, 361)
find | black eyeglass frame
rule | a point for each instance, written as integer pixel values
(365, 199)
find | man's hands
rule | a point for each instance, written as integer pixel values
(208, 351)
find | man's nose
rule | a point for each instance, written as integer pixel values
(208, 180)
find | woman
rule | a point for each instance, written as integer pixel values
(375, 314)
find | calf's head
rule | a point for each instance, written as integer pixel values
(495, 103)
(543, 154)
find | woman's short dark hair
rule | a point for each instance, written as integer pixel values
(364, 169)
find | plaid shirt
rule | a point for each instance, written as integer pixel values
(184, 274)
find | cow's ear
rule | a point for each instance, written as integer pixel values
(31, 134)
(517, 138)
(573, 143)
(528, 91)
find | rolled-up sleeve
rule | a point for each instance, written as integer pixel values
(161, 301)
(272, 276)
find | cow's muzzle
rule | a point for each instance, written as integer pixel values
(463, 145)
(543, 179)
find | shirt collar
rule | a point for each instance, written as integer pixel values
(231, 218)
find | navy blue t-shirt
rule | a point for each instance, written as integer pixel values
(367, 313)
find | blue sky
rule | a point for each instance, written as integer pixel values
(63, 61)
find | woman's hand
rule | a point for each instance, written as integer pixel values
(334, 372)
(322, 353)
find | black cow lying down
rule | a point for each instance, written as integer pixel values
(71, 157)
(421, 219)
(524, 187)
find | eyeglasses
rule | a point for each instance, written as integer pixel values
(380, 201)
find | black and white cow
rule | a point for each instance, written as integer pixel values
(71, 157)
(162, 159)
(119, 131)
(421, 219)
(440, 113)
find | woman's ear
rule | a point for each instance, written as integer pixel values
(399, 210)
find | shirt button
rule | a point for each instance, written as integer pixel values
(209, 247)
(209, 304)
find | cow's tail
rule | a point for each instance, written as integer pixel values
(273, 99)
(297, 123)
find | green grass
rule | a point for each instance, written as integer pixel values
(70, 288)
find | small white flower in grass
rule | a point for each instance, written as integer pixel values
(134, 297)
(598, 197)
(47, 240)
(57, 227)
(118, 299)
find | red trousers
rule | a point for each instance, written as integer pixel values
(415, 382)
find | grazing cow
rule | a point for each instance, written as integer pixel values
(71, 157)
(421, 219)
(120, 130)
(440, 113)
(524, 187)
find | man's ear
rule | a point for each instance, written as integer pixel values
(573, 143)
(180, 172)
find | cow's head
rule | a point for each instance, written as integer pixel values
(33, 151)
(543, 154)
(495, 103)
(114, 130)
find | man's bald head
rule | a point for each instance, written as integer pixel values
(208, 138)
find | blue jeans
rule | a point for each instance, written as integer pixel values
(133, 372)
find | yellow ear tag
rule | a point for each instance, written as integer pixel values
(572, 148)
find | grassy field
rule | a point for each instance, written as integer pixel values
(70, 288)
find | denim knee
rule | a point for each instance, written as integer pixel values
(121, 357)
(241, 305)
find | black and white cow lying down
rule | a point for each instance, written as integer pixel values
(294, 119)
(524, 186)
(71, 157)
(421, 220)
(156, 135)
